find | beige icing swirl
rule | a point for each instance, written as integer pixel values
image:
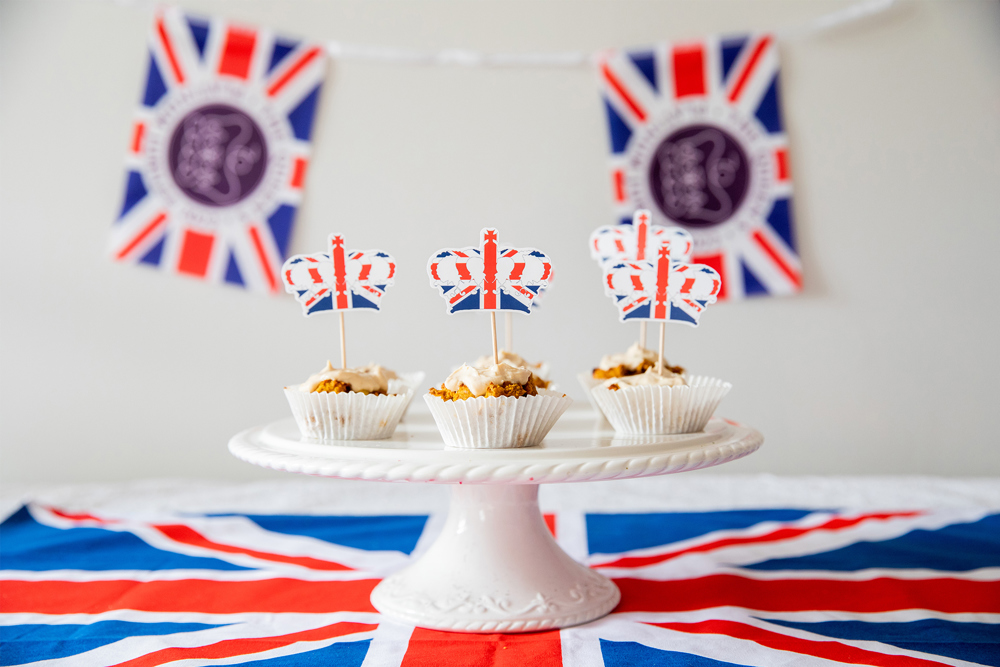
(632, 358)
(513, 359)
(477, 379)
(376, 369)
(370, 378)
(650, 377)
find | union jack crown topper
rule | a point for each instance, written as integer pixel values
(639, 240)
(662, 290)
(697, 139)
(340, 279)
(218, 152)
(490, 277)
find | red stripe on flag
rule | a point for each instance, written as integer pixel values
(715, 262)
(298, 172)
(146, 231)
(776, 258)
(265, 264)
(137, 134)
(829, 650)
(619, 177)
(463, 272)
(689, 70)
(836, 523)
(518, 270)
(748, 70)
(781, 162)
(245, 646)
(550, 523)
(169, 50)
(365, 270)
(431, 648)
(490, 270)
(290, 73)
(79, 517)
(196, 250)
(187, 535)
(237, 54)
(280, 595)
(788, 595)
(620, 89)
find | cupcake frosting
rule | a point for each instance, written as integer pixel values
(477, 379)
(632, 358)
(370, 378)
(650, 377)
(503, 356)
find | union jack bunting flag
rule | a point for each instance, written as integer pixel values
(639, 240)
(339, 280)
(218, 152)
(697, 138)
(490, 277)
(703, 589)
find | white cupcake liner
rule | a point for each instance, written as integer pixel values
(497, 422)
(656, 410)
(349, 415)
(406, 382)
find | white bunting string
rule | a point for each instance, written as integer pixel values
(469, 58)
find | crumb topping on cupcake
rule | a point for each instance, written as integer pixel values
(503, 379)
(516, 360)
(650, 377)
(634, 361)
(370, 379)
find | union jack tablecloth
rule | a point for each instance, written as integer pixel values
(700, 589)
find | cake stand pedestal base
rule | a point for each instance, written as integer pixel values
(495, 568)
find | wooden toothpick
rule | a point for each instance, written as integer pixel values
(343, 343)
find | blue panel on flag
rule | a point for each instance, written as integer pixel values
(972, 642)
(730, 51)
(769, 111)
(199, 32)
(645, 62)
(639, 313)
(470, 302)
(678, 315)
(957, 548)
(620, 132)
(751, 284)
(625, 221)
(508, 302)
(135, 190)
(614, 533)
(301, 117)
(233, 274)
(155, 88)
(29, 545)
(29, 643)
(372, 533)
(155, 253)
(780, 219)
(358, 301)
(341, 654)
(634, 654)
(281, 49)
(280, 223)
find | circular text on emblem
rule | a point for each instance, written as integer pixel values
(217, 155)
(699, 176)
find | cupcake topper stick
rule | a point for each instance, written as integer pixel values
(491, 277)
(638, 241)
(338, 281)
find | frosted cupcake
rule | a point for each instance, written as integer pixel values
(495, 407)
(349, 404)
(658, 402)
(635, 360)
(539, 371)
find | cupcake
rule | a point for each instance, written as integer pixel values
(635, 360)
(349, 404)
(496, 407)
(539, 372)
(658, 402)
(404, 383)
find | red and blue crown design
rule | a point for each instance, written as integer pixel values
(633, 242)
(340, 279)
(697, 138)
(490, 277)
(219, 151)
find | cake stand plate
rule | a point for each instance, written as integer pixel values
(495, 566)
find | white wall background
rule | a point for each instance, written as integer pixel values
(887, 363)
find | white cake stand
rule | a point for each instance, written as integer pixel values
(495, 566)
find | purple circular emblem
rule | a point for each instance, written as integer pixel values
(217, 155)
(699, 176)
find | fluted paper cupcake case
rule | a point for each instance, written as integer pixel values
(656, 410)
(406, 382)
(349, 415)
(497, 422)
(588, 382)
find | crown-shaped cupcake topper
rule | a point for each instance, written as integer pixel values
(639, 241)
(491, 277)
(339, 280)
